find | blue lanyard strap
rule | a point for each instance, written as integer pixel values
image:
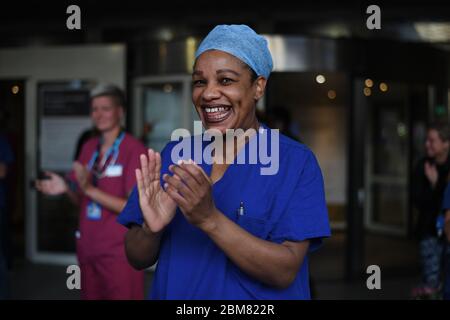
(114, 149)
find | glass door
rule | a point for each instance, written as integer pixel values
(64, 114)
(162, 104)
(387, 157)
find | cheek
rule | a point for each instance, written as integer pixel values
(436, 146)
(116, 114)
(246, 101)
(95, 115)
(237, 96)
(196, 94)
(107, 115)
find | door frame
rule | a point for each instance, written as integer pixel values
(101, 63)
(371, 180)
(138, 89)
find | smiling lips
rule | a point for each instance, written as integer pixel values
(216, 113)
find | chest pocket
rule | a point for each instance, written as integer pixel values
(113, 185)
(255, 216)
(260, 228)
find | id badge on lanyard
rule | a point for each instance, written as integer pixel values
(112, 169)
(94, 211)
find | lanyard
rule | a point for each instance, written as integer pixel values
(113, 150)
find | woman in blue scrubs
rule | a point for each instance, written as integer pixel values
(446, 252)
(221, 230)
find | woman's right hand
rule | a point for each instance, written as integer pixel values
(156, 205)
(53, 186)
(431, 173)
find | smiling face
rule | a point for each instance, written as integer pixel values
(106, 113)
(224, 93)
(434, 144)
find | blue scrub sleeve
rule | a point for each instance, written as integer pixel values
(132, 213)
(6, 154)
(306, 215)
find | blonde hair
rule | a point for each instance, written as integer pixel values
(109, 90)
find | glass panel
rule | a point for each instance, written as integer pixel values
(64, 108)
(390, 142)
(316, 115)
(389, 203)
(390, 156)
(163, 112)
(57, 223)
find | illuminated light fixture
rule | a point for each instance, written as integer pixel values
(401, 129)
(320, 79)
(334, 30)
(383, 87)
(191, 46)
(167, 88)
(331, 94)
(15, 89)
(368, 83)
(367, 92)
(433, 31)
(165, 34)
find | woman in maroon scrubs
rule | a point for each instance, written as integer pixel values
(100, 182)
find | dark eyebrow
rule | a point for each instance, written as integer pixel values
(199, 73)
(228, 70)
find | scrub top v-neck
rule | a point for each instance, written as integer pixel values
(286, 206)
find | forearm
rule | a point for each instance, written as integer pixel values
(106, 200)
(73, 196)
(271, 263)
(142, 247)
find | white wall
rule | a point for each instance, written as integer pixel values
(323, 129)
(99, 63)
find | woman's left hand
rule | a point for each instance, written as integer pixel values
(82, 175)
(192, 191)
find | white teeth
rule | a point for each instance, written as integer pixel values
(216, 109)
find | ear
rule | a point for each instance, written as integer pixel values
(260, 84)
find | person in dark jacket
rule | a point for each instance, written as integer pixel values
(429, 182)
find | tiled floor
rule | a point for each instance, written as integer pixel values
(396, 257)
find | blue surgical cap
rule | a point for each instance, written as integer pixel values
(243, 43)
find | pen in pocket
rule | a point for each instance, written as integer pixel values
(241, 210)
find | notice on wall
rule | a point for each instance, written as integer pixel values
(64, 116)
(58, 141)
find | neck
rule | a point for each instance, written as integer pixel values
(109, 136)
(441, 158)
(239, 141)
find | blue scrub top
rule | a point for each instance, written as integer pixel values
(287, 206)
(446, 199)
(6, 157)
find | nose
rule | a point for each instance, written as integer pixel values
(211, 92)
(96, 114)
